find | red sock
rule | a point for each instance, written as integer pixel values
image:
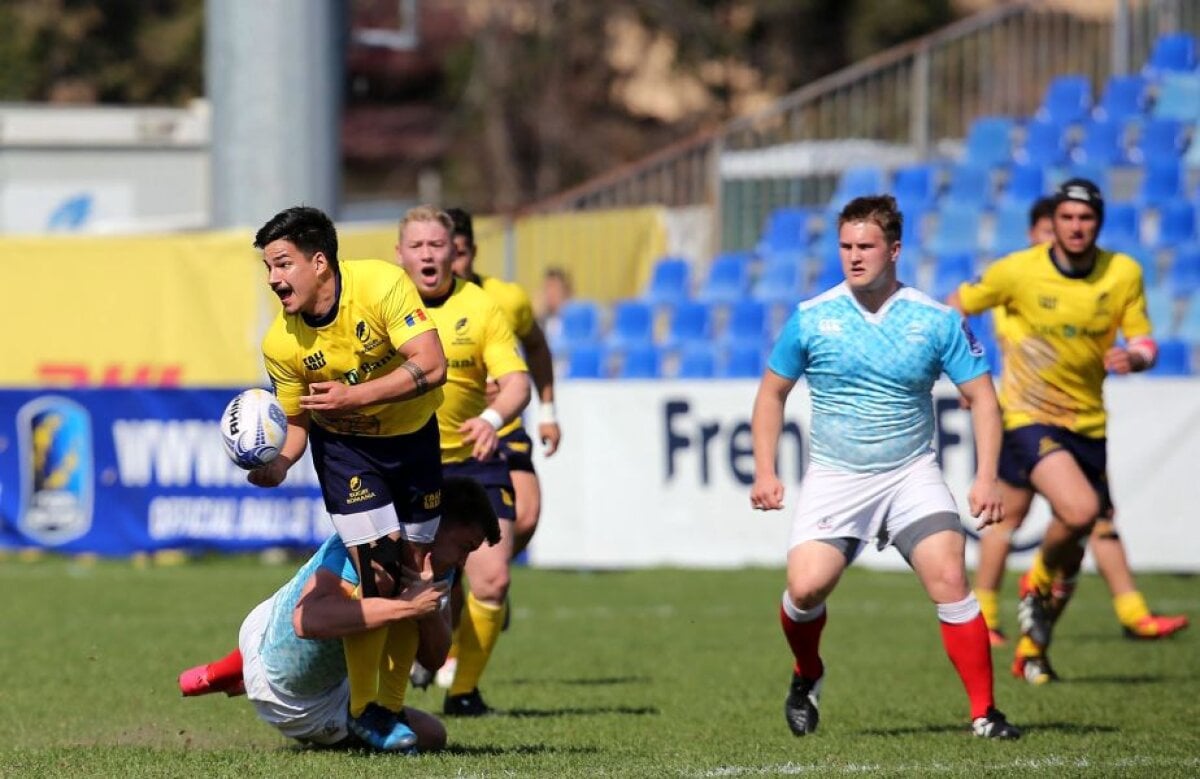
(805, 639)
(226, 671)
(967, 645)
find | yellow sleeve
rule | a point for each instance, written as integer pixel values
(500, 353)
(286, 382)
(402, 311)
(1135, 322)
(521, 315)
(990, 291)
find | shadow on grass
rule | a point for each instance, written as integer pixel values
(580, 711)
(599, 681)
(1072, 728)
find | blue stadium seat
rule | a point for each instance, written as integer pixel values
(1160, 307)
(632, 323)
(1163, 181)
(1189, 326)
(640, 361)
(915, 187)
(1174, 359)
(970, 185)
(1011, 229)
(1137, 251)
(856, 182)
(1179, 97)
(586, 361)
(728, 278)
(1103, 143)
(989, 143)
(742, 361)
(1068, 99)
(1183, 277)
(786, 230)
(1174, 52)
(697, 361)
(829, 275)
(1121, 222)
(1161, 140)
(747, 322)
(781, 281)
(580, 323)
(1176, 223)
(691, 321)
(1044, 144)
(669, 281)
(1025, 184)
(951, 270)
(912, 231)
(1124, 98)
(957, 229)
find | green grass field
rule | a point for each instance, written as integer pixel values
(648, 673)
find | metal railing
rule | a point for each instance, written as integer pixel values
(994, 62)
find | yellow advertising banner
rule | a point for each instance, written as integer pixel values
(190, 309)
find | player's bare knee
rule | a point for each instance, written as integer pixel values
(807, 595)
(492, 587)
(1080, 514)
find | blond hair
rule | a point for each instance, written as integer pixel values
(427, 213)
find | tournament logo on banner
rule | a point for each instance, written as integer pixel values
(55, 451)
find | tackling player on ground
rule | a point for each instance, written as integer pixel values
(871, 349)
(478, 344)
(1105, 544)
(1064, 302)
(357, 366)
(290, 661)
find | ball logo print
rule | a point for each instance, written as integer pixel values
(253, 428)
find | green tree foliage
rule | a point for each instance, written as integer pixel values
(116, 51)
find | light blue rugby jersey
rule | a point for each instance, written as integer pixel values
(871, 375)
(305, 666)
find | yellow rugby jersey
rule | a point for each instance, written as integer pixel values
(1055, 331)
(517, 309)
(378, 309)
(478, 343)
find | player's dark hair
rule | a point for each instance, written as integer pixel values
(310, 229)
(463, 225)
(1043, 208)
(465, 502)
(880, 209)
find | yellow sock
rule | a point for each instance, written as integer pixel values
(1026, 648)
(1040, 577)
(989, 606)
(477, 634)
(399, 651)
(364, 652)
(1131, 608)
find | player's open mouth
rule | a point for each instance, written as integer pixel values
(429, 272)
(284, 295)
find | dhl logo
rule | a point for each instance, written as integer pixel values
(79, 374)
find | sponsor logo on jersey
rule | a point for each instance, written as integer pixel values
(506, 496)
(314, 361)
(460, 326)
(830, 326)
(1048, 302)
(1102, 308)
(916, 332)
(976, 348)
(57, 490)
(362, 331)
(467, 363)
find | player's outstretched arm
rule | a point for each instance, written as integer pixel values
(541, 370)
(985, 500)
(327, 610)
(766, 423)
(273, 474)
(509, 402)
(423, 368)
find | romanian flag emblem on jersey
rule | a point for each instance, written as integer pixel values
(414, 317)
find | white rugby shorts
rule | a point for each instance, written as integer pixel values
(868, 506)
(318, 719)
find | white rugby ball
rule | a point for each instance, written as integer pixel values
(253, 428)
